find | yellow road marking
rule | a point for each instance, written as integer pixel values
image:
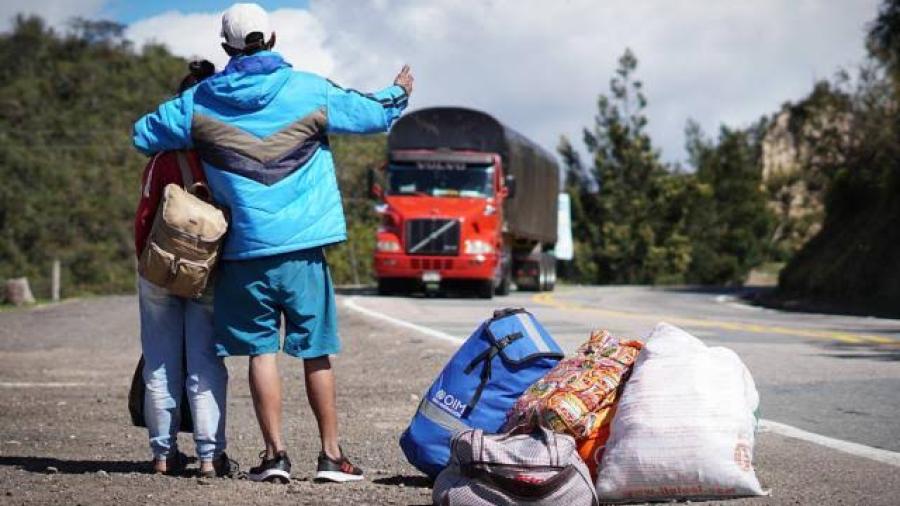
(548, 300)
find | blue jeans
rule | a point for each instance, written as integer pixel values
(176, 331)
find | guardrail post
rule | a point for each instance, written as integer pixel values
(55, 281)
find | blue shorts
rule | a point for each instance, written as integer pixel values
(252, 295)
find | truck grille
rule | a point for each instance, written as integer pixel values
(432, 236)
(432, 264)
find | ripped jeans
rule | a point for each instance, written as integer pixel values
(176, 331)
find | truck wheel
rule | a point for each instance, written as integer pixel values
(486, 289)
(541, 281)
(503, 287)
(547, 273)
(551, 273)
(505, 282)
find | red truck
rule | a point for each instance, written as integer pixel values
(466, 201)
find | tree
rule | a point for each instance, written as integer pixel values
(883, 40)
(100, 32)
(581, 188)
(632, 229)
(354, 156)
(69, 173)
(730, 220)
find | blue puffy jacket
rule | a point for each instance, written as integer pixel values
(261, 131)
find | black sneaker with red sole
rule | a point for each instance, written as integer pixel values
(273, 470)
(339, 471)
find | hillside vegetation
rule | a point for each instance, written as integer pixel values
(69, 173)
(639, 220)
(855, 258)
(814, 185)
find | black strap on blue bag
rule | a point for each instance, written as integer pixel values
(487, 356)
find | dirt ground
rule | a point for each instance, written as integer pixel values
(66, 438)
(69, 441)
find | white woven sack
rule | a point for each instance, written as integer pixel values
(685, 425)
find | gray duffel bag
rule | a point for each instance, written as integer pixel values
(540, 468)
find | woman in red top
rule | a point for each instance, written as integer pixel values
(177, 334)
(162, 169)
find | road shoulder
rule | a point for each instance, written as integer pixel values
(75, 445)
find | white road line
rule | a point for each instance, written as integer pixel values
(350, 303)
(48, 384)
(883, 456)
(856, 449)
(730, 301)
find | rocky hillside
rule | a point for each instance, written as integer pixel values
(794, 164)
(853, 262)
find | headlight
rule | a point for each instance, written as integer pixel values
(388, 246)
(477, 247)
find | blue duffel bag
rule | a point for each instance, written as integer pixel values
(476, 389)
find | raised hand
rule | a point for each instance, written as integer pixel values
(405, 79)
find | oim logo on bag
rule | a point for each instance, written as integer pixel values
(449, 403)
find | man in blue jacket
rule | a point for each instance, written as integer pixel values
(261, 130)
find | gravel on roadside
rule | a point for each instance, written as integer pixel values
(72, 443)
(66, 438)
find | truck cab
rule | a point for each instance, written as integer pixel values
(447, 217)
(441, 220)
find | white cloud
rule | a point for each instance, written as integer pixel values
(54, 12)
(196, 35)
(539, 66)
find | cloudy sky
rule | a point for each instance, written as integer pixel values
(537, 65)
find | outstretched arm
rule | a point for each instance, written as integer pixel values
(167, 128)
(351, 111)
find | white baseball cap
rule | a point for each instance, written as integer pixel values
(240, 20)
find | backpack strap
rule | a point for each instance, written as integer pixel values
(187, 176)
(485, 358)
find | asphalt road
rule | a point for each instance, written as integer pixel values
(65, 437)
(838, 376)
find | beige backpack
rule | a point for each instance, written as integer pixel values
(187, 234)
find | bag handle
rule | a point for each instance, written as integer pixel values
(195, 188)
(518, 488)
(507, 311)
(548, 436)
(478, 444)
(552, 445)
(551, 441)
(187, 176)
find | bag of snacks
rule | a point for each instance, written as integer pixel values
(578, 396)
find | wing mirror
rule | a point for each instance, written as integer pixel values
(510, 183)
(375, 190)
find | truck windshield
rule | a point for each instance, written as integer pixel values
(438, 180)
